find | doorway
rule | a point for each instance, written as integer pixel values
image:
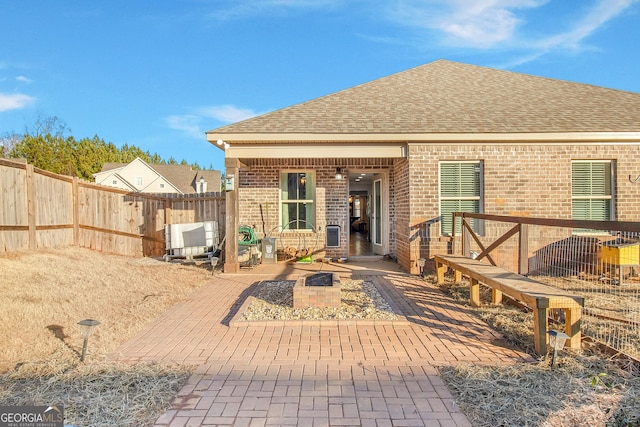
(368, 213)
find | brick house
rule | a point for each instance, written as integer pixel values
(385, 162)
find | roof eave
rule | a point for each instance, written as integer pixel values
(520, 137)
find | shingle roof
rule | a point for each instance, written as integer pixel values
(450, 97)
(181, 176)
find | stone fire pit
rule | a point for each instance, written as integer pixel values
(318, 290)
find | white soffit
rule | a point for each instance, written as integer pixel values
(294, 151)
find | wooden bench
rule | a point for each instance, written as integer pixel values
(538, 296)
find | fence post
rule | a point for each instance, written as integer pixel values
(453, 233)
(466, 246)
(523, 249)
(31, 205)
(76, 211)
(167, 210)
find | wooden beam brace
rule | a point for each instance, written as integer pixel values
(479, 243)
(498, 242)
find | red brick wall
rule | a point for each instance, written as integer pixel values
(519, 180)
(259, 186)
(526, 180)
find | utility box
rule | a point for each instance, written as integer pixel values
(333, 236)
(269, 251)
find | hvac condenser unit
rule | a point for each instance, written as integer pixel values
(191, 239)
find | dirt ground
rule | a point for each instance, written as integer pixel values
(47, 292)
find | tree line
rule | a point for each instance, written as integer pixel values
(47, 148)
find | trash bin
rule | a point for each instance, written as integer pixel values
(269, 251)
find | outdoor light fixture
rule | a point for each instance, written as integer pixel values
(87, 328)
(338, 173)
(421, 263)
(557, 340)
(222, 143)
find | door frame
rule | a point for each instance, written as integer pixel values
(383, 176)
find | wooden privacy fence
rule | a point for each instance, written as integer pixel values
(41, 209)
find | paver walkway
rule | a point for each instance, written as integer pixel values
(316, 374)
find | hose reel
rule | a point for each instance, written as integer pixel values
(247, 235)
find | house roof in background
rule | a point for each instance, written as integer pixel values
(448, 97)
(181, 176)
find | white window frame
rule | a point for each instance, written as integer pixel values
(610, 197)
(282, 201)
(477, 225)
(139, 181)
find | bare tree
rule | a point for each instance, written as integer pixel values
(8, 141)
(44, 124)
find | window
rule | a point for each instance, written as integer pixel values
(138, 180)
(161, 185)
(115, 182)
(297, 200)
(460, 191)
(591, 190)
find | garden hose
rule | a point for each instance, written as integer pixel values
(247, 235)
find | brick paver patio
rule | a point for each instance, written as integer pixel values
(342, 373)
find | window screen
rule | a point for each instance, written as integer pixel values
(591, 191)
(460, 191)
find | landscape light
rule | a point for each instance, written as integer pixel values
(557, 341)
(87, 328)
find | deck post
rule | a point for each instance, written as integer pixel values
(572, 326)
(474, 293)
(466, 237)
(457, 276)
(496, 296)
(523, 250)
(440, 270)
(231, 264)
(540, 325)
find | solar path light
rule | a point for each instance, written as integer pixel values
(557, 340)
(87, 328)
(421, 263)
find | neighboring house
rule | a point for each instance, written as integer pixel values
(141, 177)
(419, 144)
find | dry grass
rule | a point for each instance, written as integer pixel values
(47, 292)
(584, 388)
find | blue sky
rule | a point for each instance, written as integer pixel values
(158, 74)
